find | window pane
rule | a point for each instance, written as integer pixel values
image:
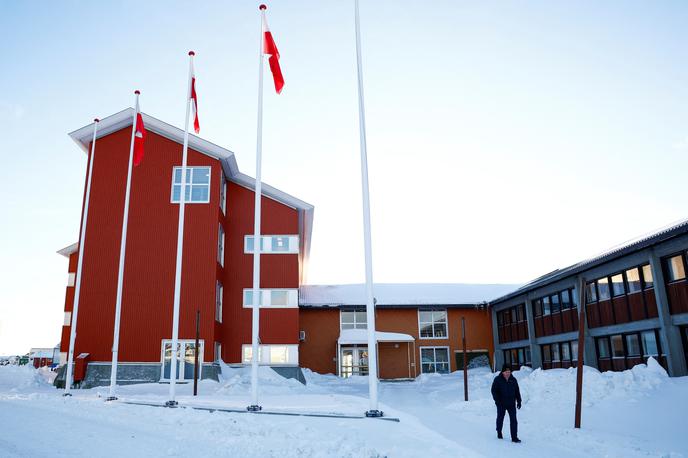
(278, 354)
(565, 300)
(633, 279)
(426, 330)
(201, 175)
(175, 193)
(199, 194)
(347, 317)
(633, 345)
(590, 293)
(427, 355)
(528, 360)
(565, 352)
(546, 353)
(440, 330)
(554, 299)
(649, 343)
(617, 346)
(537, 307)
(603, 347)
(361, 320)
(507, 357)
(618, 285)
(279, 298)
(347, 326)
(521, 359)
(603, 288)
(280, 243)
(545, 306)
(574, 350)
(648, 281)
(441, 355)
(439, 316)
(249, 244)
(443, 368)
(675, 268)
(555, 352)
(178, 176)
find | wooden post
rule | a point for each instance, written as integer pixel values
(465, 365)
(581, 351)
(198, 322)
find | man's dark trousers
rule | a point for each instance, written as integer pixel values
(513, 423)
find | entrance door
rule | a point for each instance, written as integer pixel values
(354, 361)
(185, 359)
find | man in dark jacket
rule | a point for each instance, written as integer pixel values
(507, 397)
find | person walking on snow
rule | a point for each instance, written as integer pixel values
(507, 398)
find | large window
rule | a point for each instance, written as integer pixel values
(627, 349)
(220, 245)
(433, 324)
(434, 359)
(648, 282)
(603, 289)
(197, 185)
(273, 244)
(633, 279)
(185, 359)
(272, 354)
(675, 268)
(353, 319)
(218, 301)
(273, 298)
(618, 285)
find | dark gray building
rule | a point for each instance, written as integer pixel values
(635, 304)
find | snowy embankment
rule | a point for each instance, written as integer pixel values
(627, 414)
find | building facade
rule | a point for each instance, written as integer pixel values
(634, 301)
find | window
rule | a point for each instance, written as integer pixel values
(633, 345)
(546, 354)
(272, 354)
(649, 343)
(675, 269)
(603, 288)
(507, 357)
(353, 319)
(574, 350)
(71, 278)
(527, 352)
(433, 324)
(218, 352)
(647, 277)
(565, 352)
(555, 352)
(566, 300)
(186, 350)
(220, 245)
(554, 299)
(633, 279)
(618, 285)
(434, 359)
(590, 293)
(545, 306)
(223, 195)
(603, 347)
(537, 307)
(617, 346)
(273, 298)
(67, 318)
(521, 312)
(273, 244)
(197, 185)
(218, 301)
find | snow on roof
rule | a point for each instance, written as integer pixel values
(402, 294)
(68, 250)
(42, 352)
(360, 336)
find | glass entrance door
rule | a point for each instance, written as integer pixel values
(354, 361)
(185, 359)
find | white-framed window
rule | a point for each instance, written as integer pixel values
(218, 352)
(71, 279)
(273, 244)
(220, 245)
(273, 298)
(434, 359)
(353, 319)
(218, 301)
(68, 318)
(273, 355)
(223, 194)
(197, 185)
(185, 359)
(432, 324)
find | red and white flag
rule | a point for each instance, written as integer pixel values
(194, 100)
(270, 49)
(139, 136)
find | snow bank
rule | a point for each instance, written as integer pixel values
(22, 379)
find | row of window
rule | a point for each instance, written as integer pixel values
(273, 244)
(676, 267)
(512, 315)
(432, 324)
(272, 354)
(554, 303)
(517, 357)
(560, 352)
(628, 345)
(630, 281)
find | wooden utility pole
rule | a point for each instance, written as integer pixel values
(198, 324)
(581, 351)
(465, 365)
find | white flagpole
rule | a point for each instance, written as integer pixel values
(257, 242)
(180, 245)
(370, 304)
(122, 250)
(77, 290)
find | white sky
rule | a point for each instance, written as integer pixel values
(504, 140)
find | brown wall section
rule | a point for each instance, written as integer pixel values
(319, 350)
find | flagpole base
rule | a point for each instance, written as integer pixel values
(66, 394)
(171, 404)
(374, 413)
(254, 408)
(110, 398)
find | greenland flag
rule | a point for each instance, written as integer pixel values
(194, 99)
(270, 49)
(139, 136)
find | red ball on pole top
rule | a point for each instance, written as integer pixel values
(137, 92)
(262, 7)
(191, 53)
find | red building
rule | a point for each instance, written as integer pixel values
(217, 264)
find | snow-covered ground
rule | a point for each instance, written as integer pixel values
(629, 414)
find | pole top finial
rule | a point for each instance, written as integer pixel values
(262, 7)
(96, 120)
(137, 92)
(191, 53)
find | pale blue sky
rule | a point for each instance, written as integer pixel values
(505, 139)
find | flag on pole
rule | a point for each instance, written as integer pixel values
(270, 49)
(139, 137)
(194, 100)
